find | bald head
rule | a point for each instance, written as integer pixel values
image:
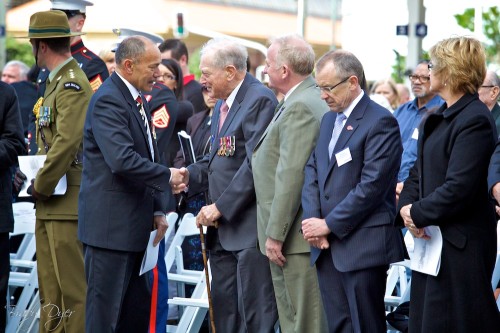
(137, 60)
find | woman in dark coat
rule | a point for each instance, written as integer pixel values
(447, 188)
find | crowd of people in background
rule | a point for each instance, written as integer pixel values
(305, 182)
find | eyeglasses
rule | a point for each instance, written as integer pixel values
(167, 76)
(488, 86)
(330, 89)
(422, 78)
(430, 65)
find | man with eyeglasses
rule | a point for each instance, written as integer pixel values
(488, 94)
(409, 116)
(348, 198)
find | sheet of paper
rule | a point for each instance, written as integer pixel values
(150, 256)
(427, 253)
(24, 218)
(30, 165)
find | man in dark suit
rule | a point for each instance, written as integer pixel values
(348, 198)
(121, 197)
(243, 296)
(11, 146)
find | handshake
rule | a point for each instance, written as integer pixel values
(179, 179)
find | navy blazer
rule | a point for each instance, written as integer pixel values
(229, 178)
(357, 199)
(121, 185)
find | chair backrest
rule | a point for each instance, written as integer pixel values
(24, 224)
(187, 227)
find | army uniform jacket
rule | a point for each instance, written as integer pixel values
(67, 96)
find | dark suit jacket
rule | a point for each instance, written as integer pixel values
(121, 186)
(11, 145)
(495, 112)
(357, 199)
(447, 187)
(28, 94)
(229, 178)
(494, 168)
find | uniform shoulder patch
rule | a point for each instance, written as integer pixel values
(161, 118)
(72, 85)
(96, 82)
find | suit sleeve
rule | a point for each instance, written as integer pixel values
(464, 176)
(494, 168)
(298, 132)
(71, 109)
(409, 194)
(241, 192)
(310, 190)
(198, 176)
(11, 133)
(110, 121)
(382, 155)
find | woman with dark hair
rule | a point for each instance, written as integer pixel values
(171, 76)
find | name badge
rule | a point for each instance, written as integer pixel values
(415, 134)
(343, 157)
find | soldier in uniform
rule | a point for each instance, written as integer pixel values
(60, 117)
(92, 65)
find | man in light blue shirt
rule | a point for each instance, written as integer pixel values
(409, 116)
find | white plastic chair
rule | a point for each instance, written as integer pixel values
(192, 310)
(23, 316)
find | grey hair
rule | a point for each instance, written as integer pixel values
(226, 52)
(493, 78)
(23, 68)
(295, 52)
(130, 48)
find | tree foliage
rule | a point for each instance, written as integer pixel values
(491, 30)
(19, 51)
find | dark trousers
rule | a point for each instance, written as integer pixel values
(118, 299)
(4, 277)
(353, 301)
(242, 291)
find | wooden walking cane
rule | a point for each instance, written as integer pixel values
(207, 279)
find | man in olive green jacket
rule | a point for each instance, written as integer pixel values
(60, 118)
(278, 162)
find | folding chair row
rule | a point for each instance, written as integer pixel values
(192, 310)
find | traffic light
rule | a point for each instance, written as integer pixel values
(180, 30)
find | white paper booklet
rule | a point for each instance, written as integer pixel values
(426, 256)
(30, 165)
(151, 255)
